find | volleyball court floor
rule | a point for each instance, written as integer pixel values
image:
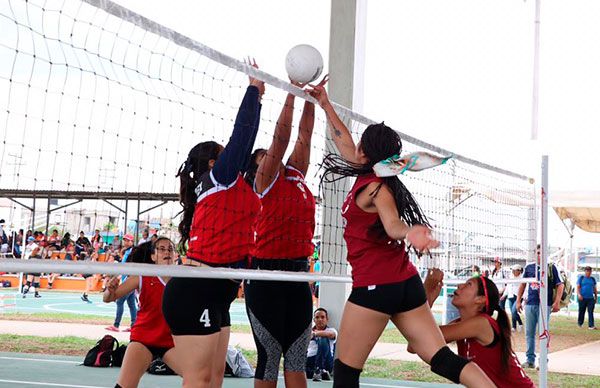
(20, 370)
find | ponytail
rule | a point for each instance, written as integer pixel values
(189, 174)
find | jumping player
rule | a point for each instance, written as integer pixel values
(380, 214)
(150, 336)
(480, 338)
(218, 223)
(284, 234)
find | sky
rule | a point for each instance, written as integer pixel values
(456, 74)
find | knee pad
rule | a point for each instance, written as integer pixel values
(36, 285)
(28, 283)
(345, 376)
(447, 364)
(118, 386)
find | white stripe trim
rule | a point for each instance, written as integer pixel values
(262, 195)
(162, 281)
(218, 187)
(140, 284)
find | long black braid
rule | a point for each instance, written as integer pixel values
(378, 142)
(189, 174)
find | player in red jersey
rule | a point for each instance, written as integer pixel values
(150, 336)
(380, 214)
(480, 338)
(284, 232)
(218, 222)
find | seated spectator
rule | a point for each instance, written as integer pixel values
(82, 245)
(319, 362)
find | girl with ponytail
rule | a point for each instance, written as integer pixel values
(480, 337)
(381, 214)
(217, 230)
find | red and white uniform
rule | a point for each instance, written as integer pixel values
(375, 260)
(488, 358)
(150, 327)
(286, 223)
(223, 225)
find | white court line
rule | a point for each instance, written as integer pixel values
(45, 384)
(39, 359)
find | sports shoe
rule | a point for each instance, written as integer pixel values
(36, 295)
(112, 328)
(325, 375)
(126, 330)
(529, 365)
(317, 376)
(592, 328)
(84, 298)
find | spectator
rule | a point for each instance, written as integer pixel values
(510, 292)
(3, 238)
(32, 251)
(475, 271)
(145, 236)
(319, 362)
(154, 238)
(497, 277)
(130, 297)
(97, 240)
(82, 246)
(532, 308)
(587, 295)
(18, 244)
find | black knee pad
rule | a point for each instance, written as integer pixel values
(447, 364)
(36, 284)
(345, 376)
(118, 386)
(28, 283)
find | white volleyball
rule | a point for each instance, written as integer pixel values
(303, 63)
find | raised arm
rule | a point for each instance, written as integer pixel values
(270, 163)
(234, 156)
(115, 291)
(338, 130)
(300, 157)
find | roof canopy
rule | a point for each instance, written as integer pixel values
(581, 207)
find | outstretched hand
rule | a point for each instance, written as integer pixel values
(254, 81)
(433, 283)
(419, 236)
(318, 91)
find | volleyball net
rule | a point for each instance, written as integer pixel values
(98, 99)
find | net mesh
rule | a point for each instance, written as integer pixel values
(96, 98)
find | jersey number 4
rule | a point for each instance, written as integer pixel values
(204, 318)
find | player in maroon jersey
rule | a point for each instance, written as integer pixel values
(284, 232)
(380, 214)
(150, 336)
(218, 226)
(480, 338)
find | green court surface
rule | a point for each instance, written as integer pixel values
(70, 302)
(20, 370)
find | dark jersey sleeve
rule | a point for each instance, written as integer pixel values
(234, 158)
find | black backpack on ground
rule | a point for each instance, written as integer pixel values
(101, 355)
(119, 355)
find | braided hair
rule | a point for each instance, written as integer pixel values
(493, 302)
(189, 174)
(378, 142)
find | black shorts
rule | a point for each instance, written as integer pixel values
(194, 306)
(157, 352)
(391, 298)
